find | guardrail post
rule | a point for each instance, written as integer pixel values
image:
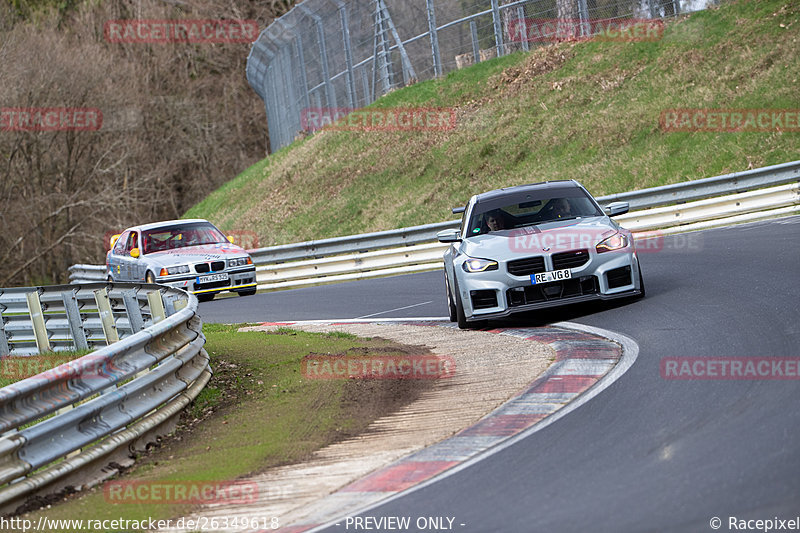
(106, 315)
(169, 305)
(4, 349)
(74, 320)
(133, 311)
(37, 320)
(157, 312)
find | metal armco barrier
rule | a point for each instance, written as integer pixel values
(65, 425)
(773, 191)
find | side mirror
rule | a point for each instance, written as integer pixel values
(135, 253)
(617, 208)
(459, 210)
(449, 235)
(113, 241)
(230, 240)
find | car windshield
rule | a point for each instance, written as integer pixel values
(174, 237)
(528, 209)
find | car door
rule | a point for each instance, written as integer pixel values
(116, 259)
(137, 265)
(129, 263)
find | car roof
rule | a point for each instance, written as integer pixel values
(166, 224)
(550, 186)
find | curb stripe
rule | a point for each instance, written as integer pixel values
(399, 476)
(584, 356)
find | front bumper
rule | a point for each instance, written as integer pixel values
(238, 279)
(496, 294)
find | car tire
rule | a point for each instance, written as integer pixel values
(249, 292)
(641, 283)
(205, 297)
(461, 317)
(149, 277)
(451, 307)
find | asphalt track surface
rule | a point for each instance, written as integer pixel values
(648, 453)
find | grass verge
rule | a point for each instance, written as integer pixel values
(257, 412)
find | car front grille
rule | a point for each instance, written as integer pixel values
(557, 290)
(527, 266)
(215, 266)
(573, 259)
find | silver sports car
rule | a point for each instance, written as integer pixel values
(189, 254)
(535, 246)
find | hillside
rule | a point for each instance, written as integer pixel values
(583, 110)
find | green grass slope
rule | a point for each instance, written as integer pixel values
(587, 111)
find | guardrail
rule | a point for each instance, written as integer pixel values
(681, 206)
(65, 425)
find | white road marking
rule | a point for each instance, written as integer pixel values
(393, 310)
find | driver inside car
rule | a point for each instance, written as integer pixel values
(562, 208)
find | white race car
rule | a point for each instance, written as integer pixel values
(189, 254)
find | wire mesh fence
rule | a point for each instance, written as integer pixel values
(326, 58)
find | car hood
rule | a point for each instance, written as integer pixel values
(195, 254)
(551, 237)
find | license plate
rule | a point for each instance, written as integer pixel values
(553, 275)
(212, 278)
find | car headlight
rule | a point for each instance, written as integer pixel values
(239, 261)
(171, 271)
(479, 265)
(618, 241)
